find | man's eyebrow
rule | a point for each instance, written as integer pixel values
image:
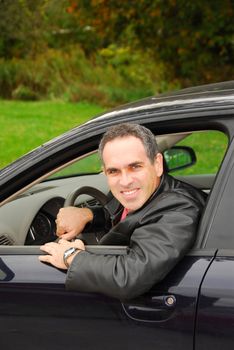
(110, 169)
(136, 163)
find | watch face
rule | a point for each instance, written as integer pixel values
(69, 252)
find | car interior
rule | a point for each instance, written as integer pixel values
(29, 218)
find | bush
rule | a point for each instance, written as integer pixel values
(87, 93)
(113, 75)
(24, 93)
(8, 76)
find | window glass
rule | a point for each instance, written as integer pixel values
(221, 233)
(209, 147)
(90, 164)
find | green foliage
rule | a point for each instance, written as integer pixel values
(24, 93)
(194, 39)
(8, 76)
(113, 75)
(112, 52)
(22, 27)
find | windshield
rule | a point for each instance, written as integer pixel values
(90, 164)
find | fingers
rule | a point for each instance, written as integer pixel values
(55, 253)
(59, 228)
(60, 224)
(45, 258)
(60, 231)
(68, 236)
(68, 223)
(47, 248)
(52, 247)
(78, 243)
(64, 233)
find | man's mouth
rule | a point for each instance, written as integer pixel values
(129, 193)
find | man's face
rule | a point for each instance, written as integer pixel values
(131, 176)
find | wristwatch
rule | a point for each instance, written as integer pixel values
(67, 254)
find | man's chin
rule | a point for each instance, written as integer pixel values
(131, 206)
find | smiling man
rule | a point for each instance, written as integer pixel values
(151, 212)
(132, 177)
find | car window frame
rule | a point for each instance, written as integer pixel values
(207, 232)
(207, 128)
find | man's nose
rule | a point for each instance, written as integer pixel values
(125, 179)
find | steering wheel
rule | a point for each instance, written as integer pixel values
(111, 238)
(91, 238)
(88, 190)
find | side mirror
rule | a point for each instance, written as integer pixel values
(178, 157)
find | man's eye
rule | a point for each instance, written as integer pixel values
(111, 172)
(135, 166)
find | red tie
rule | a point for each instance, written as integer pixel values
(124, 214)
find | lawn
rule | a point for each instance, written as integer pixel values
(26, 125)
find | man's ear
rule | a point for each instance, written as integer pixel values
(158, 163)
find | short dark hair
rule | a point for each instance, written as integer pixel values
(128, 129)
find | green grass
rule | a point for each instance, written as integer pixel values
(209, 147)
(26, 125)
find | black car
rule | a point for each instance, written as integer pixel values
(193, 307)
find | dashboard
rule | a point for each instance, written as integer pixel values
(29, 219)
(43, 228)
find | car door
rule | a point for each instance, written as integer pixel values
(215, 317)
(36, 312)
(36, 309)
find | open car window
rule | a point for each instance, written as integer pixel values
(42, 201)
(209, 148)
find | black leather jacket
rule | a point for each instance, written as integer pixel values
(159, 234)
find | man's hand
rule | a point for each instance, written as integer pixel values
(71, 221)
(56, 251)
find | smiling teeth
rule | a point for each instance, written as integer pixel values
(129, 192)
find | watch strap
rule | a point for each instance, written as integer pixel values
(69, 252)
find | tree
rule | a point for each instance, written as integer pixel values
(194, 39)
(26, 26)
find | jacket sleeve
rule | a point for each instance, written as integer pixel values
(100, 220)
(102, 216)
(162, 237)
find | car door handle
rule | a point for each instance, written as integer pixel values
(156, 308)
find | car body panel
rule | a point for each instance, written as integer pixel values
(215, 316)
(34, 306)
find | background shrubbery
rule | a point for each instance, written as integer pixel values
(112, 75)
(111, 52)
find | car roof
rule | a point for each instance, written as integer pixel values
(218, 93)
